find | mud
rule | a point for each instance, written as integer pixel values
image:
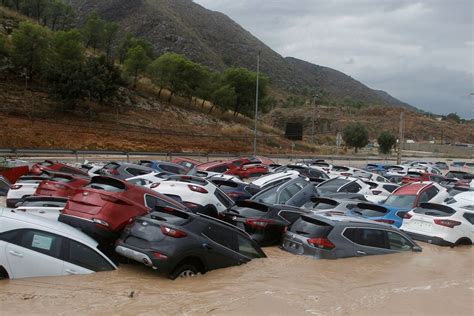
(438, 281)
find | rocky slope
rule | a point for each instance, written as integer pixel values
(214, 39)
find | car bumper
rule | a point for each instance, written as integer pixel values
(429, 239)
(163, 266)
(89, 227)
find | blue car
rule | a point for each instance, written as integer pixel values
(380, 213)
(375, 168)
(163, 166)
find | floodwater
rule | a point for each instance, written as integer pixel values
(438, 281)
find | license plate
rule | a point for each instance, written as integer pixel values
(422, 225)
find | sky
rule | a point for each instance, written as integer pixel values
(421, 52)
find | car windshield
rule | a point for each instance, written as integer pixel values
(401, 201)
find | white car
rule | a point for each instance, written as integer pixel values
(45, 206)
(382, 188)
(25, 186)
(149, 178)
(463, 199)
(369, 176)
(440, 224)
(342, 171)
(196, 193)
(32, 246)
(275, 178)
(343, 185)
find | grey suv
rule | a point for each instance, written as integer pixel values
(339, 236)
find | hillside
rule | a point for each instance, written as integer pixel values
(215, 40)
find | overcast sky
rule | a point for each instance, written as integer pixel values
(421, 52)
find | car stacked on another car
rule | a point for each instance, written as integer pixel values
(24, 187)
(121, 170)
(106, 205)
(181, 244)
(61, 185)
(49, 167)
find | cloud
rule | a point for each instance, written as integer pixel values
(379, 42)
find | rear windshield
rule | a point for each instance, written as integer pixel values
(401, 201)
(414, 174)
(173, 217)
(310, 228)
(331, 185)
(434, 210)
(322, 204)
(370, 212)
(106, 184)
(111, 166)
(61, 179)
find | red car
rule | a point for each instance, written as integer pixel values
(51, 166)
(187, 163)
(415, 176)
(61, 185)
(106, 205)
(245, 167)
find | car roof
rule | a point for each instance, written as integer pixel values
(335, 219)
(38, 222)
(412, 188)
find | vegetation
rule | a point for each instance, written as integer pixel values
(386, 142)
(355, 136)
(79, 64)
(453, 117)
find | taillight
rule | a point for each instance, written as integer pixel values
(407, 216)
(114, 172)
(386, 221)
(234, 194)
(154, 185)
(321, 243)
(159, 256)
(15, 187)
(447, 223)
(376, 192)
(285, 230)
(100, 222)
(198, 189)
(346, 174)
(258, 223)
(172, 232)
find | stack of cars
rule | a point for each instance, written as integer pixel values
(186, 218)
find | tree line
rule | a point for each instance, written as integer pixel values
(93, 61)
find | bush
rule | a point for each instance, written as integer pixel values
(355, 136)
(386, 142)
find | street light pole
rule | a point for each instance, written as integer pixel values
(256, 107)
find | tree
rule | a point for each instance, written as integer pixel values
(129, 41)
(244, 83)
(137, 62)
(93, 31)
(386, 142)
(30, 47)
(68, 47)
(453, 117)
(355, 135)
(170, 71)
(110, 36)
(58, 13)
(3, 45)
(102, 78)
(224, 97)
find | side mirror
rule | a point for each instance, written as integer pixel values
(417, 249)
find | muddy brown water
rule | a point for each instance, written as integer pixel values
(438, 281)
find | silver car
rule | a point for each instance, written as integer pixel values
(332, 236)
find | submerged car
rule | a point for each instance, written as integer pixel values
(234, 188)
(343, 185)
(123, 171)
(49, 166)
(31, 246)
(334, 236)
(106, 205)
(4, 186)
(45, 206)
(181, 244)
(440, 224)
(164, 167)
(25, 186)
(295, 192)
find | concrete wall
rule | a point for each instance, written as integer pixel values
(445, 149)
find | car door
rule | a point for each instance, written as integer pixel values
(81, 259)
(221, 247)
(368, 241)
(34, 253)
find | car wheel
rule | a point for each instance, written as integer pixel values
(3, 274)
(184, 271)
(463, 242)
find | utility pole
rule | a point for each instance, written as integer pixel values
(400, 139)
(256, 107)
(314, 116)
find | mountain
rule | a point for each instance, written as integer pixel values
(215, 40)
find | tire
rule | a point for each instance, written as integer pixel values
(184, 270)
(3, 274)
(462, 242)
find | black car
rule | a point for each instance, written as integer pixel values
(4, 186)
(181, 244)
(295, 192)
(236, 190)
(265, 223)
(313, 174)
